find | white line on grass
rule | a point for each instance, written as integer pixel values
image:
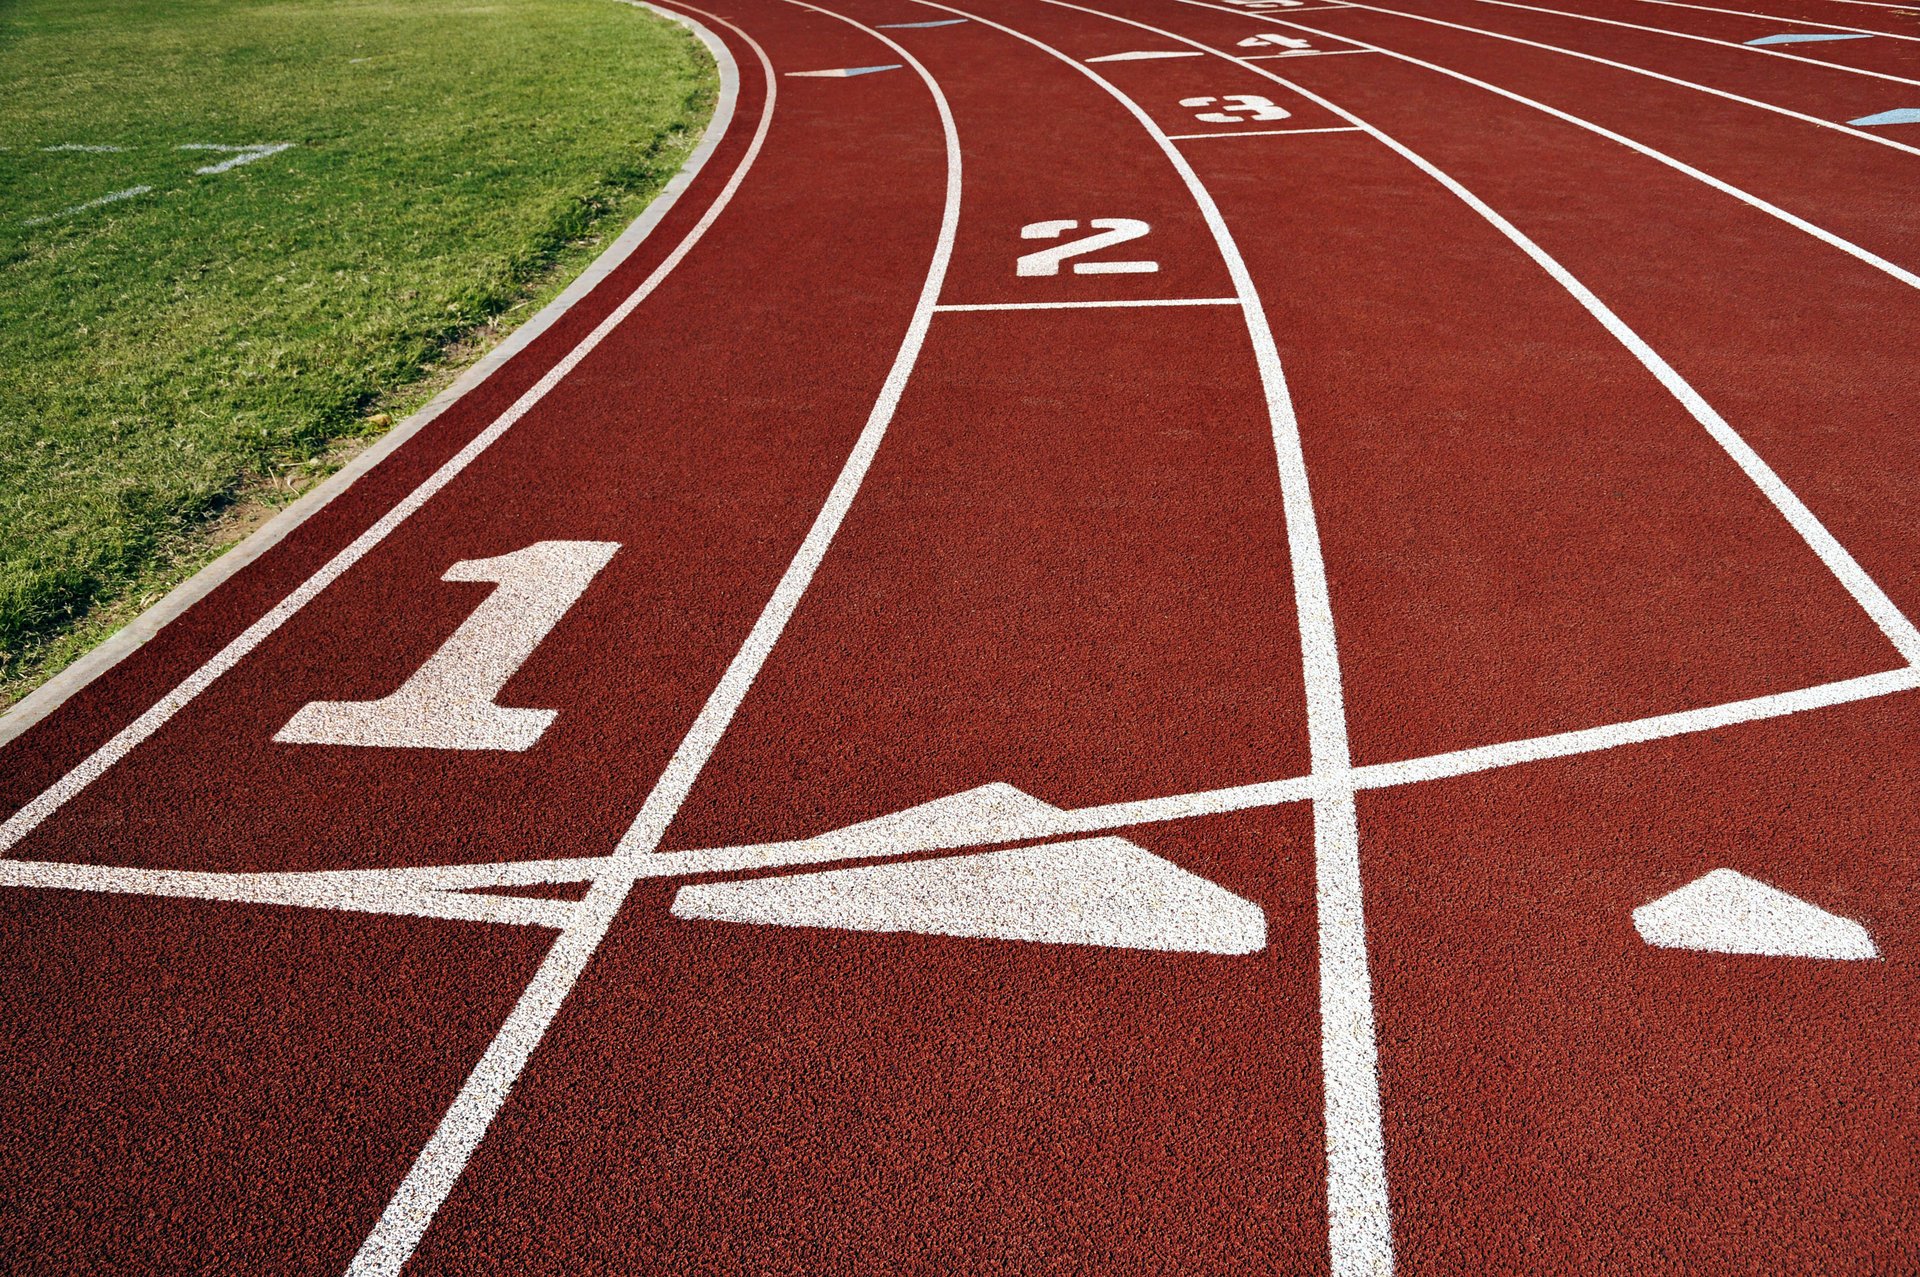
(1907, 277)
(114, 198)
(440, 1163)
(238, 154)
(1360, 1232)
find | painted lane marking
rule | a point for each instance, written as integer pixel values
(1145, 55)
(1804, 39)
(842, 73)
(1900, 115)
(96, 764)
(448, 703)
(1109, 231)
(1360, 1226)
(113, 198)
(1095, 891)
(1687, 35)
(1307, 53)
(237, 156)
(1907, 277)
(1893, 623)
(1802, 116)
(1273, 41)
(439, 1165)
(1138, 301)
(79, 146)
(1728, 912)
(1195, 137)
(919, 26)
(1238, 108)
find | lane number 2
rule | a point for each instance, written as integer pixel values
(448, 703)
(1108, 232)
(1237, 108)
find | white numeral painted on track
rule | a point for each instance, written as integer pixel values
(1272, 41)
(1238, 108)
(1109, 231)
(448, 703)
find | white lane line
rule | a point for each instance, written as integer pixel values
(1310, 53)
(1195, 137)
(1768, 17)
(1703, 39)
(1866, 592)
(113, 198)
(1095, 305)
(91, 768)
(81, 146)
(439, 1165)
(1789, 112)
(1827, 237)
(1360, 1230)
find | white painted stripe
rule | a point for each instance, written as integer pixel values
(1628, 67)
(239, 154)
(1703, 39)
(1866, 592)
(81, 146)
(55, 691)
(1195, 137)
(1309, 53)
(1099, 305)
(439, 1165)
(113, 198)
(1145, 56)
(89, 769)
(1907, 277)
(1360, 1228)
(1774, 18)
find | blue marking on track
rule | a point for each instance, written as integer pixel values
(1901, 115)
(1805, 39)
(916, 26)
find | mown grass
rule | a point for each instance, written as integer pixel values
(223, 339)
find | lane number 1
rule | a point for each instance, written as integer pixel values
(1108, 232)
(448, 703)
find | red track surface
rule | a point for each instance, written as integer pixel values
(1528, 466)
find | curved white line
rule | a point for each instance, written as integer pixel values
(1827, 237)
(1789, 112)
(1705, 39)
(1791, 22)
(439, 1165)
(1360, 1228)
(50, 695)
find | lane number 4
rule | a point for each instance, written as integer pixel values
(1108, 231)
(448, 703)
(1237, 108)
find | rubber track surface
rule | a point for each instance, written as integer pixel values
(1468, 498)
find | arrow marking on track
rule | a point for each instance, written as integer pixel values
(1096, 891)
(1805, 39)
(841, 73)
(1899, 115)
(1728, 912)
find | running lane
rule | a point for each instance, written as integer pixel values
(1524, 532)
(202, 1086)
(1065, 575)
(1849, 185)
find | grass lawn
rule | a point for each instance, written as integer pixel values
(175, 358)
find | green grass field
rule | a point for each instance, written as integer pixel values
(174, 359)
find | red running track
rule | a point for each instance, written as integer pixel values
(1361, 720)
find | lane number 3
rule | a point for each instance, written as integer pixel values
(1108, 231)
(1237, 108)
(448, 703)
